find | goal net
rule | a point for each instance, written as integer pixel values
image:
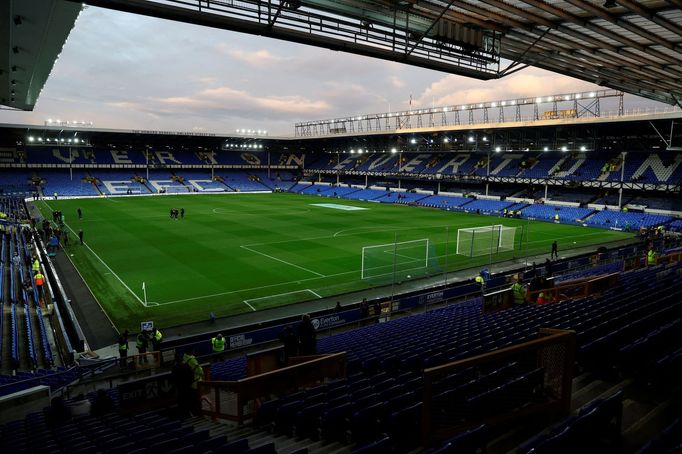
(398, 261)
(491, 239)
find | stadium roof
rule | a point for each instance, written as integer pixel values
(634, 46)
(32, 32)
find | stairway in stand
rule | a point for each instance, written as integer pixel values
(256, 437)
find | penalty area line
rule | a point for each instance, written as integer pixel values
(246, 301)
(283, 261)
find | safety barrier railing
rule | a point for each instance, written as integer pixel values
(238, 400)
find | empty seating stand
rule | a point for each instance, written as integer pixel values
(596, 428)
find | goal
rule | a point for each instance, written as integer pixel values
(399, 260)
(491, 239)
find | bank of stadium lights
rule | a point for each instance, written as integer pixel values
(41, 140)
(463, 107)
(252, 132)
(243, 146)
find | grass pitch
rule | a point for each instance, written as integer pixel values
(246, 252)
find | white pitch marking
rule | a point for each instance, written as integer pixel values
(259, 213)
(283, 261)
(289, 282)
(314, 293)
(298, 281)
(103, 262)
(257, 288)
(280, 294)
(247, 303)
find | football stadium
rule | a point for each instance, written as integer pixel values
(490, 274)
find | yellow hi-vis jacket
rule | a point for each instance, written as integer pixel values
(218, 345)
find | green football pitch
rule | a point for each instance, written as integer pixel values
(248, 252)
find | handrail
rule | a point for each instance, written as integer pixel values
(277, 381)
(37, 377)
(90, 369)
(580, 287)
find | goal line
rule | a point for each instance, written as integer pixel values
(385, 259)
(281, 298)
(490, 239)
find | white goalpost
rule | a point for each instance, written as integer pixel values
(400, 258)
(491, 239)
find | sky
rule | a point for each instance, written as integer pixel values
(120, 70)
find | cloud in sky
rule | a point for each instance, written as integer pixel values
(134, 72)
(261, 58)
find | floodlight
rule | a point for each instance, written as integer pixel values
(493, 104)
(352, 151)
(564, 148)
(76, 140)
(446, 140)
(464, 107)
(593, 94)
(31, 138)
(504, 103)
(471, 138)
(538, 100)
(498, 149)
(545, 149)
(583, 148)
(40, 139)
(485, 139)
(393, 150)
(578, 96)
(513, 102)
(413, 141)
(49, 120)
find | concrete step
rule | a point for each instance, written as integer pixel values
(257, 437)
(590, 392)
(650, 425)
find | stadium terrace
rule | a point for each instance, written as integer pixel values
(401, 224)
(495, 276)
